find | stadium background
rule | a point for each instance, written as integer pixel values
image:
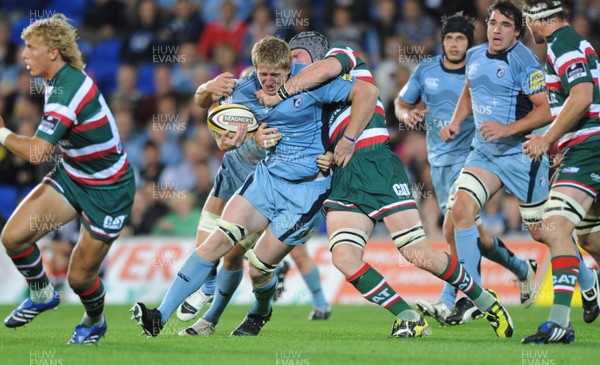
(149, 56)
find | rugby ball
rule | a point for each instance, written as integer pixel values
(227, 118)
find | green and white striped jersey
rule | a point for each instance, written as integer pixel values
(375, 134)
(572, 60)
(77, 118)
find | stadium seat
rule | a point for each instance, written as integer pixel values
(104, 63)
(73, 9)
(104, 74)
(108, 50)
(26, 190)
(145, 80)
(86, 48)
(9, 197)
(16, 29)
(13, 5)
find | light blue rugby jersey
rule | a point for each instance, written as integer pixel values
(440, 89)
(299, 119)
(500, 88)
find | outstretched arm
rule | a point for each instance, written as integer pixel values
(32, 149)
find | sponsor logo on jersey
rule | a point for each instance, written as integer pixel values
(552, 97)
(114, 222)
(575, 71)
(439, 124)
(570, 170)
(48, 124)
(347, 77)
(432, 83)
(482, 109)
(500, 72)
(537, 81)
(595, 177)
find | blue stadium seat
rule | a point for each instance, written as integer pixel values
(104, 74)
(86, 48)
(108, 50)
(9, 197)
(73, 9)
(103, 64)
(26, 190)
(26, 5)
(16, 29)
(145, 80)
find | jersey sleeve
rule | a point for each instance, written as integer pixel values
(56, 122)
(530, 74)
(334, 91)
(345, 55)
(573, 68)
(412, 91)
(533, 80)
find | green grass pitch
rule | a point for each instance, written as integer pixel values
(353, 335)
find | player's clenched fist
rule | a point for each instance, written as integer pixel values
(449, 132)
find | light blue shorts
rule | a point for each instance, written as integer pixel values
(293, 209)
(443, 178)
(523, 177)
(231, 176)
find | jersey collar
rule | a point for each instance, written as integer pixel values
(460, 71)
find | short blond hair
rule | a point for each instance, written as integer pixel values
(57, 33)
(272, 52)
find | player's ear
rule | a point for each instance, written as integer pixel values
(54, 54)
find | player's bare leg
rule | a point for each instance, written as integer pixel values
(42, 211)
